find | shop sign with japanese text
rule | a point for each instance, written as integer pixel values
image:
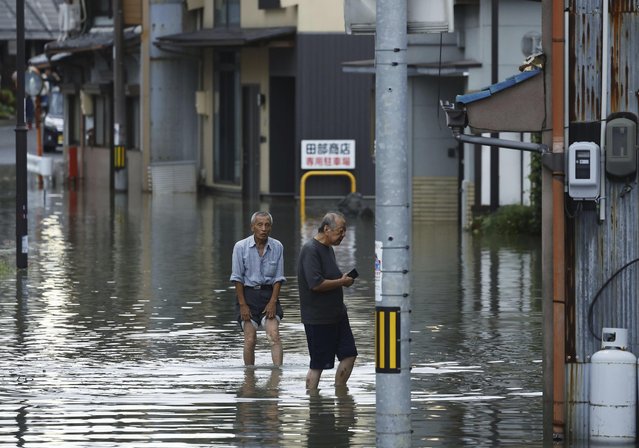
(328, 154)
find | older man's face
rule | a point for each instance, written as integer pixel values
(337, 234)
(261, 228)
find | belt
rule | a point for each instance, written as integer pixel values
(261, 287)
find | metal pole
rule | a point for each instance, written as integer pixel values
(502, 143)
(392, 222)
(22, 239)
(36, 118)
(119, 101)
(494, 76)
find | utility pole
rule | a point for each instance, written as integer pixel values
(22, 238)
(392, 224)
(119, 101)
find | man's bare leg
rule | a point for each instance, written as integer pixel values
(272, 327)
(250, 334)
(344, 370)
(312, 378)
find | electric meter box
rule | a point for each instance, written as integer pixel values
(583, 171)
(621, 145)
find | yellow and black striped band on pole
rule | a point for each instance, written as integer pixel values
(119, 157)
(387, 340)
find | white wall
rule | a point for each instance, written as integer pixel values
(516, 19)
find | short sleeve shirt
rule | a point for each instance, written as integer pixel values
(317, 263)
(251, 270)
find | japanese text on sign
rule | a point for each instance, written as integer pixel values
(328, 154)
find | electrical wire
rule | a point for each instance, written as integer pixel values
(596, 297)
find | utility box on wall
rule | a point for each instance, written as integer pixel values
(621, 145)
(583, 171)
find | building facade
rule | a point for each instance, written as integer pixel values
(222, 93)
(269, 77)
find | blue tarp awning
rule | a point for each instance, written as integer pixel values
(491, 90)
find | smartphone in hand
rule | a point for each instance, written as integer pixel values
(353, 273)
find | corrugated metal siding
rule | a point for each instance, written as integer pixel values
(173, 177)
(585, 58)
(331, 104)
(577, 405)
(625, 48)
(600, 249)
(173, 83)
(173, 86)
(40, 19)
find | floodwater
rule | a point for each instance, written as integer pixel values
(122, 332)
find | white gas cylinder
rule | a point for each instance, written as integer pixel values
(613, 389)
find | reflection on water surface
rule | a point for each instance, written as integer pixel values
(122, 332)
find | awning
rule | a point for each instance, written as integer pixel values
(96, 39)
(496, 88)
(517, 104)
(42, 60)
(444, 68)
(40, 19)
(225, 37)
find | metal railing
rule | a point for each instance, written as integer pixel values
(308, 174)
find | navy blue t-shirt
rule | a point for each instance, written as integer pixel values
(316, 263)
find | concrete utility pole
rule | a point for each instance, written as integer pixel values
(22, 239)
(119, 101)
(392, 223)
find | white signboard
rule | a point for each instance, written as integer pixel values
(378, 270)
(328, 154)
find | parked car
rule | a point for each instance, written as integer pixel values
(53, 137)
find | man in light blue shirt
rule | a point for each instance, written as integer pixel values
(258, 274)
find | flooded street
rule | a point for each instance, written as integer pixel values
(122, 331)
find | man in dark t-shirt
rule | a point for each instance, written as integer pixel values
(320, 281)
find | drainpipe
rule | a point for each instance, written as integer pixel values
(558, 222)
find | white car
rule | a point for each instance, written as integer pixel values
(53, 137)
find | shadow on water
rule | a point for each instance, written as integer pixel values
(122, 332)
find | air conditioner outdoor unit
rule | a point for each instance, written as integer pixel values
(423, 16)
(69, 17)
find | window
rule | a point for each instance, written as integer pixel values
(227, 119)
(73, 114)
(101, 8)
(227, 13)
(269, 4)
(101, 11)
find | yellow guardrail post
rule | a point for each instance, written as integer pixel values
(308, 174)
(119, 157)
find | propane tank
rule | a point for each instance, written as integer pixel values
(613, 389)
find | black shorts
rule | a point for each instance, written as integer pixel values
(325, 341)
(257, 299)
